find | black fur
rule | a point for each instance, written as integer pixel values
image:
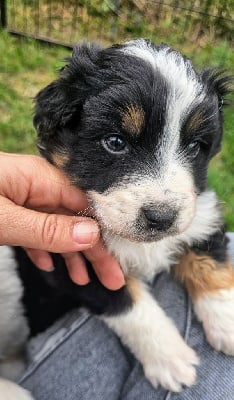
(49, 295)
(43, 302)
(215, 246)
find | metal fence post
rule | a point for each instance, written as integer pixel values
(3, 16)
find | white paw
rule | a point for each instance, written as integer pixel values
(11, 391)
(173, 367)
(155, 341)
(217, 315)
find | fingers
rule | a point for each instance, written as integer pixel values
(106, 266)
(33, 193)
(74, 262)
(52, 189)
(32, 182)
(41, 259)
(59, 234)
(50, 232)
(76, 268)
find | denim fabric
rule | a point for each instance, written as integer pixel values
(79, 358)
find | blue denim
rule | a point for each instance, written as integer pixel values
(79, 358)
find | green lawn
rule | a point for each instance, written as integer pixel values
(27, 66)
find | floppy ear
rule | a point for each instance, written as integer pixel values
(58, 104)
(218, 82)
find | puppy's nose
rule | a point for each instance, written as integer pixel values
(160, 218)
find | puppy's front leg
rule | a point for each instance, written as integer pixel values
(211, 286)
(154, 340)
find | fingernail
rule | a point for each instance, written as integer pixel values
(51, 269)
(45, 268)
(85, 232)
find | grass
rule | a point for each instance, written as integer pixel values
(26, 66)
(116, 20)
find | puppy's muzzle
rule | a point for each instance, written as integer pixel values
(159, 217)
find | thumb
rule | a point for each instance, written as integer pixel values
(20, 226)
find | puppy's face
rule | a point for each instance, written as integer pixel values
(135, 126)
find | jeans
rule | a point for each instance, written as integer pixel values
(79, 358)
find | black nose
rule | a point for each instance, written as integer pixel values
(160, 218)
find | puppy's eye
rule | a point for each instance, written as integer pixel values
(198, 145)
(115, 144)
(194, 149)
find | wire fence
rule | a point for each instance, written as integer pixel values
(68, 21)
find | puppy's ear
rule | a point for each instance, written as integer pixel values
(61, 102)
(219, 83)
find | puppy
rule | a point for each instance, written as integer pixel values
(135, 126)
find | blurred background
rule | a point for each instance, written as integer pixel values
(36, 36)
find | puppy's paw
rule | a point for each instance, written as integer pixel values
(11, 391)
(217, 316)
(173, 367)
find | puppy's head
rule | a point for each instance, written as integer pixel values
(135, 126)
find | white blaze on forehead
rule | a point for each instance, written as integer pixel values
(184, 88)
(177, 70)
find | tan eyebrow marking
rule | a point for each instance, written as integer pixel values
(133, 119)
(194, 122)
(60, 158)
(202, 275)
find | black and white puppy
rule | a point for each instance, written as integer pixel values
(135, 126)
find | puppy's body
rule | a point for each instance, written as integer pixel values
(135, 126)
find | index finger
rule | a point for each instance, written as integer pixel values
(53, 189)
(106, 266)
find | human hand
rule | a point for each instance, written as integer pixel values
(37, 207)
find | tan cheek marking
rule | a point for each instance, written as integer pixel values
(202, 275)
(133, 288)
(133, 119)
(60, 158)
